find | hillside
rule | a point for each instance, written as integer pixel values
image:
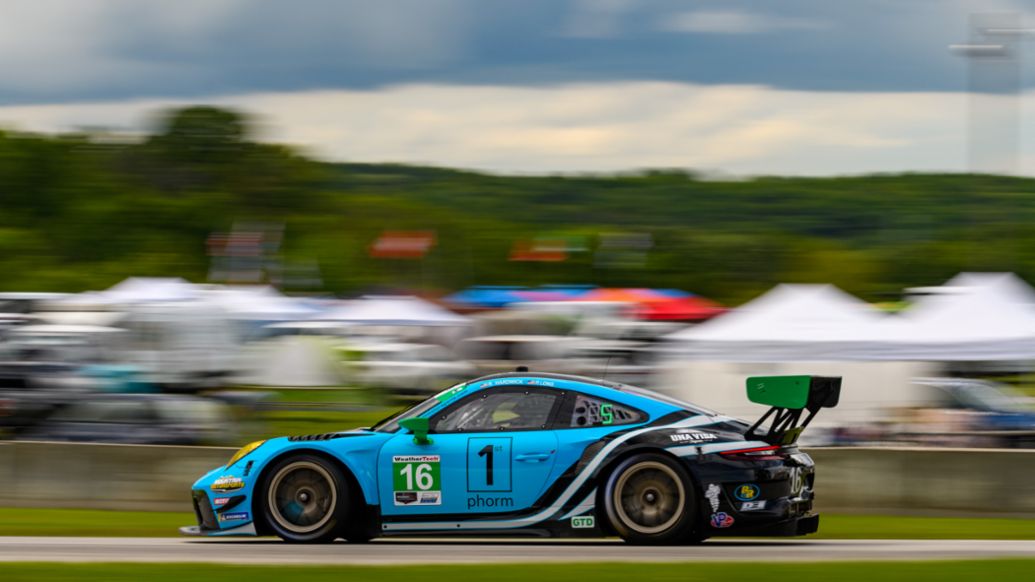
(84, 211)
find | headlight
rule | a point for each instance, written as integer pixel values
(245, 450)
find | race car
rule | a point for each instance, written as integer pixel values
(533, 454)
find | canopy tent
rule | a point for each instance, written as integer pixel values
(258, 304)
(788, 323)
(150, 290)
(688, 308)
(659, 304)
(394, 310)
(978, 317)
(486, 297)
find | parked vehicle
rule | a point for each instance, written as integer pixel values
(403, 369)
(500, 353)
(159, 419)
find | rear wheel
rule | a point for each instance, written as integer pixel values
(306, 499)
(649, 498)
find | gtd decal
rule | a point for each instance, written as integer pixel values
(583, 522)
(746, 492)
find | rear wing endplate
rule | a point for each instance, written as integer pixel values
(789, 397)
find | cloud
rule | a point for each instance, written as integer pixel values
(734, 22)
(75, 50)
(587, 127)
(598, 18)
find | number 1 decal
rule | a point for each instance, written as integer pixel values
(488, 464)
(487, 453)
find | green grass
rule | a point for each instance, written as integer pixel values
(85, 522)
(19, 521)
(943, 571)
(926, 528)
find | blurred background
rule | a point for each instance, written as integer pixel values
(224, 220)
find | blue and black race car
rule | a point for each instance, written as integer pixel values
(533, 454)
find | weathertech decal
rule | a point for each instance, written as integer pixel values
(416, 480)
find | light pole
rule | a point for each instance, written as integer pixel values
(993, 87)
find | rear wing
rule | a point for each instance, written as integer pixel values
(789, 397)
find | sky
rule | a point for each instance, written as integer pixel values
(813, 87)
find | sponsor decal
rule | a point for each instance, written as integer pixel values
(747, 492)
(429, 498)
(416, 479)
(479, 501)
(721, 520)
(692, 437)
(712, 494)
(584, 522)
(752, 505)
(220, 501)
(450, 392)
(233, 516)
(405, 497)
(227, 483)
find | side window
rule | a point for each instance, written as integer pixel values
(589, 411)
(496, 410)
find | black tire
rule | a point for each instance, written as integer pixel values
(650, 499)
(305, 499)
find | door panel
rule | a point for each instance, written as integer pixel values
(458, 473)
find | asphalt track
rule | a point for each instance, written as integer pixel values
(459, 551)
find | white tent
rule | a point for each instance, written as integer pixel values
(794, 329)
(394, 310)
(979, 317)
(149, 290)
(258, 304)
(789, 323)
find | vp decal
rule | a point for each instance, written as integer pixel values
(721, 520)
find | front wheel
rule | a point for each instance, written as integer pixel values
(649, 498)
(306, 499)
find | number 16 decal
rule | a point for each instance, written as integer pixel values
(488, 464)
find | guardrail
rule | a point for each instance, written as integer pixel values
(849, 480)
(932, 481)
(103, 476)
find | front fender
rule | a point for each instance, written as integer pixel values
(229, 491)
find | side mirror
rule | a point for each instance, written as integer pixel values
(419, 427)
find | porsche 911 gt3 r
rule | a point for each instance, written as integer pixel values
(532, 454)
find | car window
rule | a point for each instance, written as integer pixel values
(497, 410)
(589, 411)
